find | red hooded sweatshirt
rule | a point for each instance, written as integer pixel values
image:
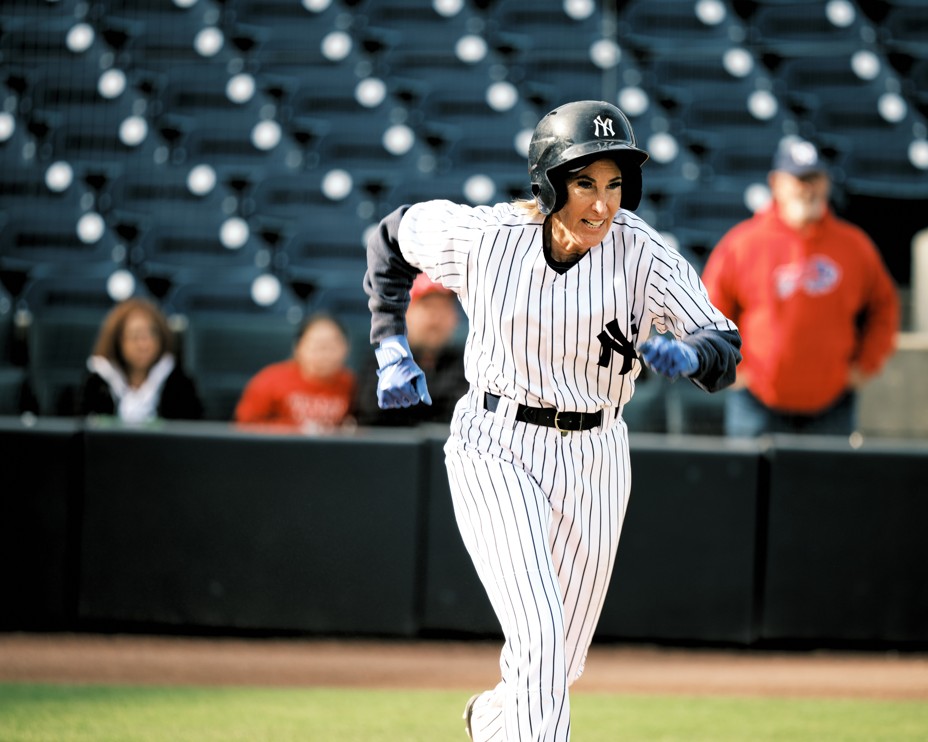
(809, 305)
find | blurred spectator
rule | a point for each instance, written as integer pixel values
(133, 373)
(814, 302)
(432, 320)
(312, 390)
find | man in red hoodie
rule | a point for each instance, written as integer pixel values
(813, 300)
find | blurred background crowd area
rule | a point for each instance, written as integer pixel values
(228, 158)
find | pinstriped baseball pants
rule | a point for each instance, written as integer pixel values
(540, 515)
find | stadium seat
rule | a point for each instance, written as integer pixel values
(285, 196)
(147, 193)
(700, 217)
(809, 29)
(853, 122)
(883, 167)
(739, 163)
(9, 355)
(324, 246)
(676, 79)
(808, 83)
(691, 411)
(13, 390)
(30, 42)
(553, 53)
(916, 85)
(905, 29)
(647, 410)
(27, 185)
(709, 122)
(159, 35)
(425, 47)
(166, 249)
(35, 10)
(34, 235)
(227, 336)
(678, 27)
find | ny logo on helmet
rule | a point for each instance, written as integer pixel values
(603, 128)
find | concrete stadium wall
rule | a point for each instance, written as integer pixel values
(202, 527)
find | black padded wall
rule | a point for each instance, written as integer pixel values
(251, 531)
(39, 504)
(847, 553)
(454, 599)
(688, 553)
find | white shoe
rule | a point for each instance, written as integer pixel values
(469, 712)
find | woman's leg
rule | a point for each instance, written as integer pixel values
(505, 520)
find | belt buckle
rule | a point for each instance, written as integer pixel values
(557, 427)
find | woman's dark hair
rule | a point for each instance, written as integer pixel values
(108, 340)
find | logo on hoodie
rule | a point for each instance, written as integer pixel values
(816, 276)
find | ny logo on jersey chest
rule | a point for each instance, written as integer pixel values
(613, 340)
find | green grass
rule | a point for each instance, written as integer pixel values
(67, 713)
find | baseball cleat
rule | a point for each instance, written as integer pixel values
(468, 713)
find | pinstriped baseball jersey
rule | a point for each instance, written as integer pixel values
(555, 339)
(540, 510)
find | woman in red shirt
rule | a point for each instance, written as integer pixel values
(313, 390)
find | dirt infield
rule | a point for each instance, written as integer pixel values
(467, 666)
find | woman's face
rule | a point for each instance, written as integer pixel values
(594, 195)
(322, 350)
(140, 343)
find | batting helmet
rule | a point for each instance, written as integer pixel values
(576, 134)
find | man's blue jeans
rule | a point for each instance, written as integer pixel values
(745, 415)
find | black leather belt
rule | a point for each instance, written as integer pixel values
(549, 417)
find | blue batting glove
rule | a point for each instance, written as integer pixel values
(402, 382)
(668, 357)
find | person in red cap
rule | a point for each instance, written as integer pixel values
(432, 322)
(816, 306)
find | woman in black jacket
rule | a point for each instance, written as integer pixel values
(133, 373)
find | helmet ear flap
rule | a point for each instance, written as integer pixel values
(545, 196)
(631, 186)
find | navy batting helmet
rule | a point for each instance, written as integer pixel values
(576, 134)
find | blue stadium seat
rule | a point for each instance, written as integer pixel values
(147, 194)
(853, 122)
(739, 163)
(881, 166)
(700, 217)
(905, 29)
(35, 235)
(809, 29)
(711, 122)
(809, 83)
(227, 336)
(549, 53)
(409, 40)
(676, 27)
(690, 411)
(324, 246)
(166, 250)
(30, 42)
(158, 35)
(916, 89)
(647, 410)
(17, 144)
(680, 78)
(37, 10)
